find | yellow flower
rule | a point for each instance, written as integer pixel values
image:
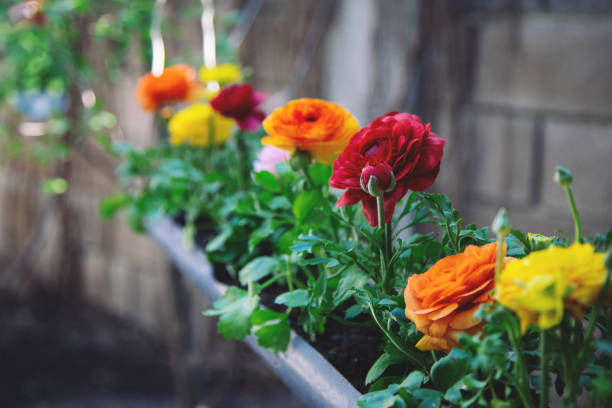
(540, 286)
(192, 126)
(224, 74)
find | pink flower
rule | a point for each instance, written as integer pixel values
(269, 157)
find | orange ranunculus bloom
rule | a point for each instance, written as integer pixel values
(319, 127)
(442, 301)
(176, 84)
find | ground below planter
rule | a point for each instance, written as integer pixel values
(55, 354)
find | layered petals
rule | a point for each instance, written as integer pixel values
(542, 285)
(319, 127)
(400, 141)
(176, 84)
(442, 301)
(240, 102)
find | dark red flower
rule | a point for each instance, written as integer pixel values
(401, 141)
(239, 102)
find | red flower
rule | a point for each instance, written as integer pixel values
(401, 141)
(239, 101)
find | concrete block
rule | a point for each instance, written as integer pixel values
(501, 158)
(552, 61)
(585, 149)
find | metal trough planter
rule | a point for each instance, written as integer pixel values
(306, 372)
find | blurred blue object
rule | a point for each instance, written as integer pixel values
(39, 106)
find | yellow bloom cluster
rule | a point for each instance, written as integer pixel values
(193, 125)
(540, 286)
(224, 74)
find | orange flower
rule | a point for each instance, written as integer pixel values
(319, 127)
(442, 301)
(176, 84)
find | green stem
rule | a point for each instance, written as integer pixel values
(520, 368)
(380, 206)
(271, 281)
(500, 255)
(395, 343)
(593, 320)
(544, 379)
(577, 223)
(351, 324)
(289, 275)
(310, 180)
(243, 159)
(210, 147)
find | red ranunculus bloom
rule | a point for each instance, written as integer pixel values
(400, 140)
(239, 102)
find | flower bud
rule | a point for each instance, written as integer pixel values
(300, 160)
(501, 223)
(539, 241)
(377, 180)
(563, 176)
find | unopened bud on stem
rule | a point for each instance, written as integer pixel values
(377, 180)
(501, 223)
(563, 176)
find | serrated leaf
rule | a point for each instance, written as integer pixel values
(296, 298)
(234, 308)
(257, 269)
(352, 278)
(274, 336)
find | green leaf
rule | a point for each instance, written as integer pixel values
(279, 203)
(382, 399)
(449, 369)
(305, 202)
(413, 381)
(380, 365)
(354, 311)
(268, 181)
(261, 316)
(352, 278)
(296, 298)
(429, 398)
(320, 173)
(259, 235)
(111, 204)
(235, 308)
(257, 269)
(55, 186)
(274, 336)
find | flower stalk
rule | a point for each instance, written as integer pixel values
(564, 178)
(544, 375)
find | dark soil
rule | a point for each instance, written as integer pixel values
(59, 354)
(55, 354)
